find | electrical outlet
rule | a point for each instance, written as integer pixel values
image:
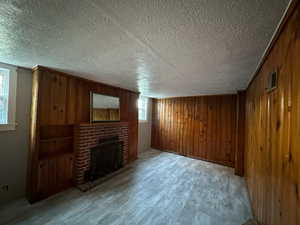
(4, 187)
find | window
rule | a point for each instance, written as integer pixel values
(142, 106)
(4, 93)
(8, 81)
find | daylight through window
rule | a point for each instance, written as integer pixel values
(142, 105)
(4, 95)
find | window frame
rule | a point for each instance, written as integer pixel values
(145, 109)
(12, 98)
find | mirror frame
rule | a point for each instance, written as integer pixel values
(92, 111)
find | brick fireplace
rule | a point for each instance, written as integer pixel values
(87, 136)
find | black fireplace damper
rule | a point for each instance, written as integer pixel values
(106, 158)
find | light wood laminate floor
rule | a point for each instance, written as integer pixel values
(158, 189)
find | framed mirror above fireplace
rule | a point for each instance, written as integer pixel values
(104, 108)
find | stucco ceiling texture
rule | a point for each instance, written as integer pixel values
(161, 48)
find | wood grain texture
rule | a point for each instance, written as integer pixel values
(61, 101)
(106, 114)
(201, 127)
(272, 165)
(240, 138)
(31, 186)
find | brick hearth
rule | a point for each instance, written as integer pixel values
(87, 136)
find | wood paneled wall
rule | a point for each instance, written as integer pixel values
(240, 137)
(65, 99)
(203, 127)
(272, 166)
(106, 114)
(59, 102)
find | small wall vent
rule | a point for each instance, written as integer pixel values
(272, 81)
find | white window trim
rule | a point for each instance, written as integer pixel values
(147, 102)
(11, 125)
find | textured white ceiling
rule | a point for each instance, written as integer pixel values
(161, 48)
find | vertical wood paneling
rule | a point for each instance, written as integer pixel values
(272, 156)
(71, 106)
(132, 127)
(202, 127)
(62, 102)
(240, 139)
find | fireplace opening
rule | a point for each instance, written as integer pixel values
(106, 158)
